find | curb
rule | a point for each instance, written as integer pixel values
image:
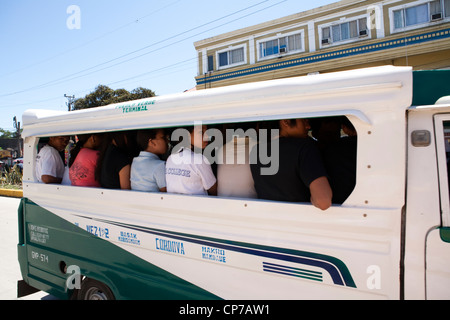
(11, 193)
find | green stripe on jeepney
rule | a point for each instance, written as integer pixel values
(444, 232)
(55, 240)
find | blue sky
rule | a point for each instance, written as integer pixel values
(121, 44)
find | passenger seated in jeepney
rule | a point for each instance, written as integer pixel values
(49, 163)
(340, 162)
(114, 162)
(234, 178)
(83, 160)
(148, 171)
(301, 176)
(326, 131)
(188, 171)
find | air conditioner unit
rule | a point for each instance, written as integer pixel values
(436, 16)
(326, 41)
(283, 50)
(363, 33)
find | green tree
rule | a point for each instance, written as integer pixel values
(104, 95)
(7, 134)
(141, 93)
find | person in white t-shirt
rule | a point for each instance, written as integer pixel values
(188, 171)
(233, 170)
(49, 163)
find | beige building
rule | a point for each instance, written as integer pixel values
(343, 35)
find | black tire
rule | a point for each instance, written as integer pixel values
(94, 290)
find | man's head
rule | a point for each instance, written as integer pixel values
(294, 128)
(59, 142)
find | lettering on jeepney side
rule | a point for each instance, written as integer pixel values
(135, 107)
(170, 246)
(214, 254)
(38, 234)
(129, 237)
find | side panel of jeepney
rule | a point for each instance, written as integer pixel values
(237, 248)
(438, 239)
(427, 251)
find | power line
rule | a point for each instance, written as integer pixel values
(93, 40)
(153, 71)
(158, 69)
(107, 84)
(64, 79)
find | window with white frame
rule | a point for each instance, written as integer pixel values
(282, 44)
(231, 57)
(419, 14)
(349, 30)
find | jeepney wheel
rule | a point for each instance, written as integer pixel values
(94, 290)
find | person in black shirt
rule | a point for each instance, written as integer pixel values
(301, 176)
(340, 163)
(114, 162)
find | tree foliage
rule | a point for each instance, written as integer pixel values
(7, 134)
(104, 95)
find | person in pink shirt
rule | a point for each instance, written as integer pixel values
(83, 160)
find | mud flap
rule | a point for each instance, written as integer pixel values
(24, 289)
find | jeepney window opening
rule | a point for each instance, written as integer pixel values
(444, 174)
(335, 137)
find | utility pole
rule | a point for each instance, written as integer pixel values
(17, 127)
(17, 136)
(70, 101)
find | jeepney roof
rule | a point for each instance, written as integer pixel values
(388, 88)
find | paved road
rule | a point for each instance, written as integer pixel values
(9, 266)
